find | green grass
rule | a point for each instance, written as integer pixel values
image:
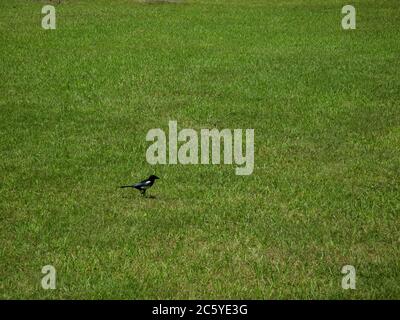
(76, 104)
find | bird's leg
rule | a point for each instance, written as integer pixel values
(143, 192)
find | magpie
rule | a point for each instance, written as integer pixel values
(142, 186)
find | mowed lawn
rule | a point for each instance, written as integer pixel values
(76, 104)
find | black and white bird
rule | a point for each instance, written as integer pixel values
(142, 186)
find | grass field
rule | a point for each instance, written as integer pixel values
(77, 102)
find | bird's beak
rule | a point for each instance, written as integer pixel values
(157, 177)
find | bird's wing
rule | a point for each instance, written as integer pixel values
(142, 184)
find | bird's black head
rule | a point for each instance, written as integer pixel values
(153, 177)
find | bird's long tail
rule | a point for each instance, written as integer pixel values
(126, 186)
